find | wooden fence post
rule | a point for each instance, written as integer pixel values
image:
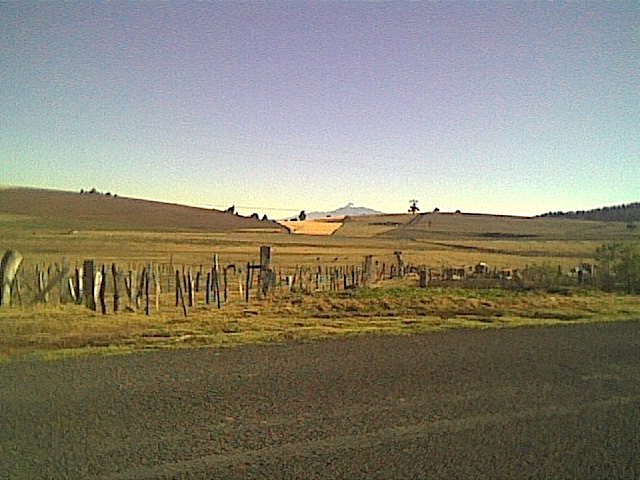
(40, 296)
(215, 279)
(178, 282)
(368, 273)
(9, 266)
(141, 284)
(89, 282)
(401, 265)
(116, 290)
(64, 270)
(190, 285)
(424, 277)
(79, 285)
(157, 288)
(72, 290)
(103, 290)
(17, 288)
(266, 274)
(207, 293)
(147, 280)
(248, 285)
(132, 291)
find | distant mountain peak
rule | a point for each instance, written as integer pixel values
(348, 210)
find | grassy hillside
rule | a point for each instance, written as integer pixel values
(38, 223)
(35, 208)
(503, 227)
(372, 225)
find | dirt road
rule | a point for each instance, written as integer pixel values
(559, 402)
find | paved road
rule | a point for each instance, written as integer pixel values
(558, 402)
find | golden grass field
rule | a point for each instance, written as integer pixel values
(46, 226)
(319, 226)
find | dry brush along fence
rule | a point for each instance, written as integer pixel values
(110, 287)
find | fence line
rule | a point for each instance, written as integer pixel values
(152, 287)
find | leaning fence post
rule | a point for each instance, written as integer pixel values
(157, 289)
(215, 279)
(401, 265)
(9, 266)
(248, 285)
(17, 289)
(178, 289)
(141, 287)
(190, 286)
(180, 294)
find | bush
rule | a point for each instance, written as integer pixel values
(619, 266)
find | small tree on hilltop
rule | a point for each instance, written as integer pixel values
(302, 216)
(413, 206)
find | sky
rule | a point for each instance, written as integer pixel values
(498, 107)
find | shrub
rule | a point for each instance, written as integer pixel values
(619, 266)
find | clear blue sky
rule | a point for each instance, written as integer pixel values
(506, 107)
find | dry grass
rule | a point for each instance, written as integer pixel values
(72, 211)
(319, 226)
(435, 240)
(447, 225)
(367, 226)
(54, 332)
(44, 236)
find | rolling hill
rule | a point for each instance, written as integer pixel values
(484, 227)
(505, 227)
(617, 213)
(40, 208)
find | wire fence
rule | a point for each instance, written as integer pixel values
(152, 287)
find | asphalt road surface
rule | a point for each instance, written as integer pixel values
(559, 402)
